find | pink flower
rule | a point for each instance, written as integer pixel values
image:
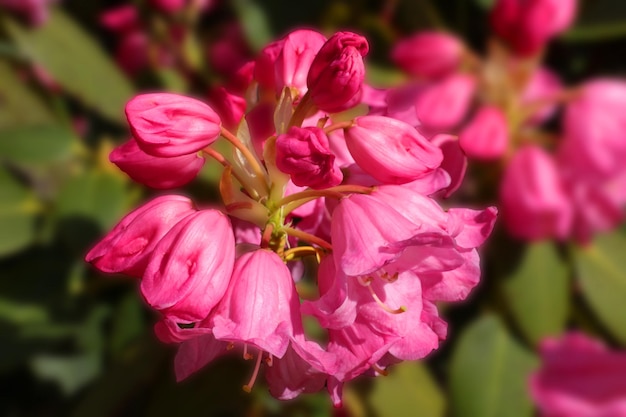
(443, 105)
(261, 306)
(154, 171)
(190, 268)
(230, 107)
(335, 79)
(230, 51)
(128, 246)
(454, 163)
(579, 377)
(35, 11)
(169, 6)
(121, 19)
(304, 153)
(168, 125)
(390, 150)
(486, 136)
(429, 54)
(527, 25)
(543, 85)
(292, 64)
(534, 202)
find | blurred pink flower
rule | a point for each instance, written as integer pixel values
(486, 136)
(429, 54)
(527, 25)
(543, 85)
(535, 204)
(579, 377)
(442, 105)
(34, 11)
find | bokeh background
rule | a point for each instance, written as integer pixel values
(76, 343)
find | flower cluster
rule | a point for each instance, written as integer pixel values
(561, 185)
(307, 176)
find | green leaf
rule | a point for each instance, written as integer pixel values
(381, 77)
(489, 373)
(97, 196)
(19, 104)
(254, 22)
(76, 61)
(408, 387)
(128, 322)
(601, 271)
(21, 314)
(17, 215)
(485, 4)
(35, 144)
(537, 292)
(70, 373)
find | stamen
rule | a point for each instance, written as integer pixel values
(230, 346)
(389, 278)
(364, 281)
(385, 307)
(255, 373)
(269, 361)
(246, 356)
(380, 370)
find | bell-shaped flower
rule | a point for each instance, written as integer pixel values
(155, 171)
(527, 25)
(429, 54)
(190, 268)
(579, 376)
(167, 125)
(294, 61)
(304, 154)
(197, 352)
(128, 246)
(534, 202)
(454, 164)
(442, 105)
(335, 79)
(486, 136)
(391, 151)
(261, 306)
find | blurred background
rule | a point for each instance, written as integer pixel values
(76, 343)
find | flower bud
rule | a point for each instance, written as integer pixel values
(190, 268)
(428, 54)
(335, 80)
(527, 25)
(127, 247)
(169, 125)
(443, 105)
(230, 107)
(265, 63)
(534, 203)
(391, 151)
(454, 163)
(154, 171)
(304, 153)
(294, 61)
(486, 136)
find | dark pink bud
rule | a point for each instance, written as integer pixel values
(527, 25)
(154, 171)
(534, 202)
(335, 80)
(265, 63)
(292, 65)
(429, 54)
(230, 107)
(304, 153)
(391, 151)
(124, 18)
(169, 125)
(127, 247)
(190, 268)
(486, 136)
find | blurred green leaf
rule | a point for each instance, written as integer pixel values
(76, 62)
(20, 314)
(489, 372)
(485, 4)
(19, 105)
(382, 77)
(99, 196)
(254, 22)
(601, 271)
(594, 33)
(409, 387)
(17, 215)
(70, 373)
(128, 322)
(35, 144)
(537, 292)
(171, 80)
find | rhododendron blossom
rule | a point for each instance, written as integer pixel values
(352, 198)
